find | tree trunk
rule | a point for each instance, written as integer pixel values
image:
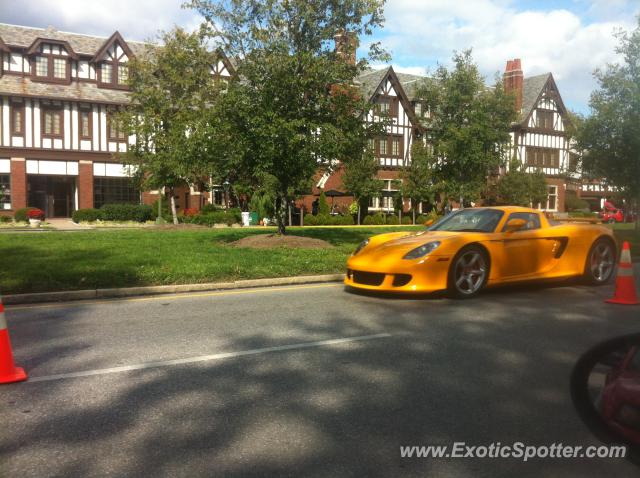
(290, 222)
(413, 209)
(280, 215)
(174, 213)
(358, 214)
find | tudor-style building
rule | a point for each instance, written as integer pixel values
(539, 137)
(57, 140)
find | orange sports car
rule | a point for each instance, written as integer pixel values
(478, 247)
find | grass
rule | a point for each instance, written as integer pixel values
(627, 232)
(109, 258)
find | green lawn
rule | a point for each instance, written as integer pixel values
(56, 261)
(627, 232)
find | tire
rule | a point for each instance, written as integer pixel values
(600, 263)
(468, 272)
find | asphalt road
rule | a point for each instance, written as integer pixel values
(253, 383)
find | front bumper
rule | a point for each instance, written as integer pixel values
(428, 274)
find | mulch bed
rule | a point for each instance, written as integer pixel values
(265, 241)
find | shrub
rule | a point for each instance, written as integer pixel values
(190, 211)
(407, 220)
(346, 220)
(209, 219)
(207, 208)
(5, 219)
(21, 215)
(421, 219)
(574, 203)
(126, 212)
(323, 205)
(392, 219)
(86, 215)
(236, 213)
(376, 219)
(310, 220)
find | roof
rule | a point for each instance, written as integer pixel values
(370, 79)
(77, 90)
(81, 44)
(531, 89)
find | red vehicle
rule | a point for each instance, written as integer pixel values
(620, 399)
(612, 214)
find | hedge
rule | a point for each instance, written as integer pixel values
(328, 220)
(85, 215)
(5, 219)
(407, 220)
(21, 214)
(209, 219)
(126, 212)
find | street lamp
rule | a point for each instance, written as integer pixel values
(226, 186)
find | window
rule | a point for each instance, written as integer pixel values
(5, 192)
(386, 106)
(544, 119)
(382, 147)
(42, 66)
(85, 124)
(52, 66)
(542, 157)
(17, 119)
(533, 220)
(114, 128)
(396, 146)
(59, 68)
(52, 123)
(123, 74)
(418, 108)
(552, 200)
(114, 191)
(106, 73)
(386, 201)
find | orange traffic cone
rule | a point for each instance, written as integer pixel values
(9, 373)
(625, 285)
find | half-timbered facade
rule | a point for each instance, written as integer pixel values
(539, 138)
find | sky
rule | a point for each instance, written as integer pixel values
(570, 38)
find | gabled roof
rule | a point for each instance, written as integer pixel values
(371, 80)
(116, 37)
(3, 46)
(86, 45)
(33, 48)
(531, 90)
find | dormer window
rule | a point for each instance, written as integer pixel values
(112, 61)
(50, 63)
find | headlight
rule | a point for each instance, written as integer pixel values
(361, 246)
(421, 251)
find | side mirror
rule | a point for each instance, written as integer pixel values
(428, 222)
(515, 224)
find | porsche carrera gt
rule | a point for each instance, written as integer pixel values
(475, 248)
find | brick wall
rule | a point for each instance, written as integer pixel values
(85, 184)
(18, 183)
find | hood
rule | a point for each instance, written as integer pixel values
(403, 244)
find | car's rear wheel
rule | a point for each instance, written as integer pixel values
(468, 272)
(601, 262)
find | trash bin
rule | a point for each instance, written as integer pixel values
(246, 219)
(253, 220)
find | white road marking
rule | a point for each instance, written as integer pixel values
(204, 358)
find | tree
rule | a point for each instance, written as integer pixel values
(521, 188)
(323, 205)
(417, 176)
(360, 178)
(468, 126)
(170, 88)
(610, 137)
(294, 109)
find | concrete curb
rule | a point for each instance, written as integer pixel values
(163, 289)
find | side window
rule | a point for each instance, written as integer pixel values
(533, 220)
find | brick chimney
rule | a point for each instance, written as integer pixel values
(346, 45)
(513, 80)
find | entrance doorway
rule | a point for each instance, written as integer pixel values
(55, 195)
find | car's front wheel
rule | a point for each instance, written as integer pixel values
(600, 263)
(468, 273)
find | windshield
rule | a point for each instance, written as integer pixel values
(477, 220)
